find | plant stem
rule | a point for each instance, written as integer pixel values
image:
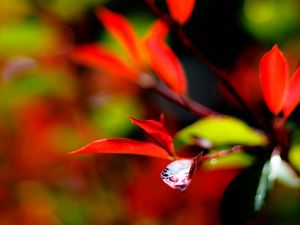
(184, 102)
(179, 32)
(220, 74)
(222, 153)
(201, 158)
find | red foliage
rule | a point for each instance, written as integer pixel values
(167, 66)
(124, 146)
(98, 57)
(181, 10)
(293, 94)
(147, 52)
(274, 79)
(158, 31)
(156, 130)
(121, 29)
(279, 92)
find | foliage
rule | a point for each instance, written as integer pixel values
(98, 77)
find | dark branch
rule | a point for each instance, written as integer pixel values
(220, 74)
(184, 102)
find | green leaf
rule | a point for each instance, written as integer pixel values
(236, 160)
(246, 194)
(220, 131)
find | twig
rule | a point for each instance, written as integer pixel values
(219, 73)
(222, 153)
(178, 31)
(201, 157)
(184, 102)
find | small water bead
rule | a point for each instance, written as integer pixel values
(176, 174)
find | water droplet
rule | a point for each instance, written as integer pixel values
(176, 174)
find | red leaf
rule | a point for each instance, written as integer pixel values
(158, 31)
(97, 57)
(121, 29)
(181, 10)
(274, 79)
(293, 94)
(157, 131)
(167, 66)
(124, 146)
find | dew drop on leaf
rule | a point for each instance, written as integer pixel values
(177, 174)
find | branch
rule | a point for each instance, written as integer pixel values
(184, 102)
(220, 74)
(222, 153)
(200, 158)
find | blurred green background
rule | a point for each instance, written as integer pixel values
(49, 106)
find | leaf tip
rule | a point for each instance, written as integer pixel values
(103, 13)
(75, 152)
(180, 10)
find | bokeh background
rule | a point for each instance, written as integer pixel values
(49, 106)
